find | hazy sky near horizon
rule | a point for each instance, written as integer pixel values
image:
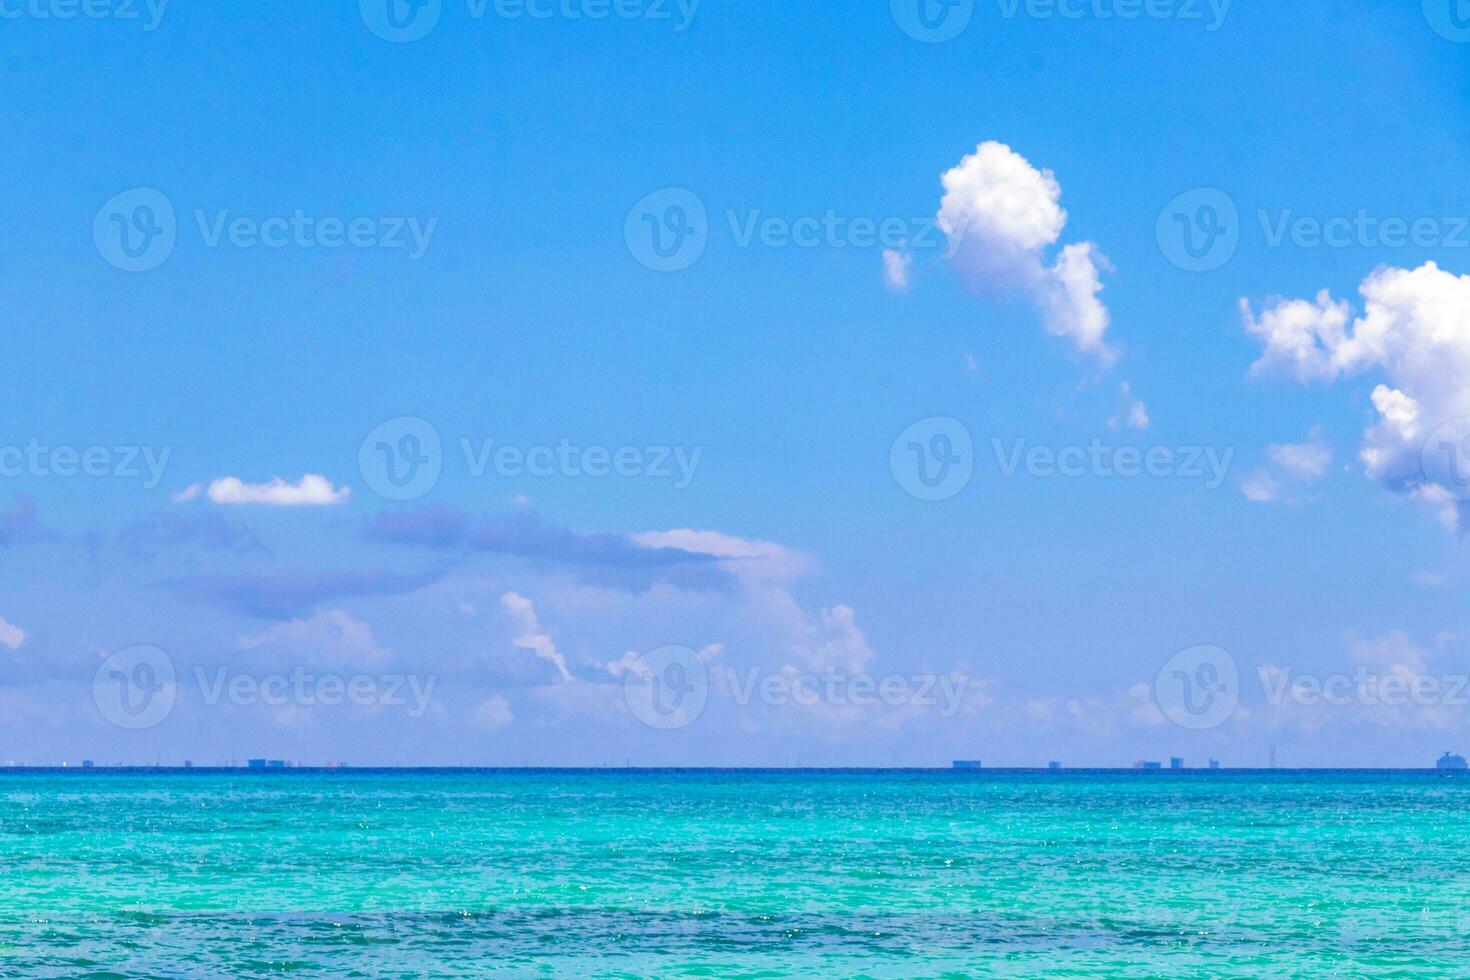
(588, 382)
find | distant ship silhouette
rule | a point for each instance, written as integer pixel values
(1451, 761)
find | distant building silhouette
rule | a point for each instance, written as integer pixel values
(967, 763)
(1451, 761)
(1176, 762)
(1141, 764)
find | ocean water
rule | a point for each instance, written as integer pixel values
(734, 874)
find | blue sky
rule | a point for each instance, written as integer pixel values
(520, 149)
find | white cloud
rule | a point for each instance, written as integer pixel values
(1260, 487)
(831, 641)
(1391, 686)
(619, 668)
(188, 493)
(529, 634)
(1099, 717)
(1303, 460)
(1001, 214)
(1301, 337)
(331, 637)
(1415, 331)
(1132, 412)
(493, 713)
(311, 491)
(746, 558)
(896, 267)
(1289, 467)
(1072, 307)
(11, 636)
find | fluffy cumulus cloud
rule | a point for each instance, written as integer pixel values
(1003, 216)
(1413, 333)
(1288, 469)
(311, 490)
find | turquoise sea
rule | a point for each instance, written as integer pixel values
(734, 874)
